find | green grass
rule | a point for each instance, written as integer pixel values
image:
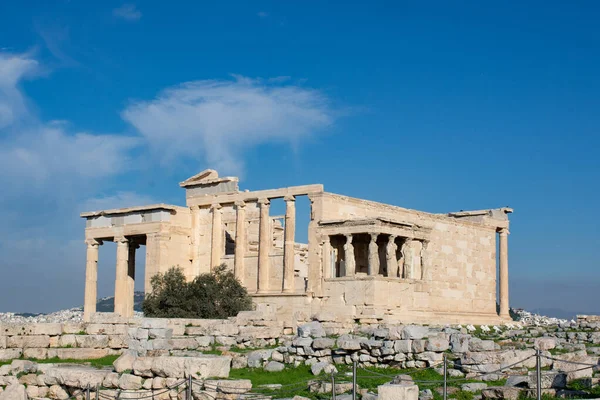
(96, 363)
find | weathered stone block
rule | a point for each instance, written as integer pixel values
(159, 333)
(24, 342)
(92, 341)
(14, 392)
(415, 332)
(398, 392)
(80, 354)
(225, 330)
(10, 354)
(501, 392)
(38, 354)
(544, 343)
(314, 329)
(73, 327)
(239, 386)
(274, 366)
(77, 377)
(403, 346)
(323, 343)
(259, 332)
(459, 343)
(257, 357)
(154, 323)
(56, 392)
(2, 342)
(117, 341)
(130, 382)
(50, 329)
(67, 341)
(204, 341)
(549, 380)
(437, 344)
(124, 362)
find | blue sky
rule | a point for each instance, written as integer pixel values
(430, 105)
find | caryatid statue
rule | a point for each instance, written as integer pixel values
(390, 256)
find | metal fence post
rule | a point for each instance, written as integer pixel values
(354, 380)
(189, 388)
(98, 392)
(87, 392)
(445, 377)
(332, 386)
(538, 371)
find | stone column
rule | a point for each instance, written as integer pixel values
(121, 276)
(195, 241)
(349, 262)
(216, 245)
(289, 241)
(91, 279)
(157, 250)
(390, 257)
(326, 248)
(373, 267)
(240, 240)
(264, 246)
(504, 273)
(131, 278)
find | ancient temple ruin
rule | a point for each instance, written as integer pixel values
(363, 260)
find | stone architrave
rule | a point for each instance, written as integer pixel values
(91, 278)
(121, 276)
(373, 267)
(216, 244)
(504, 305)
(349, 256)
(390, 257)
(264, 246)
(289, 241)
(240, 240)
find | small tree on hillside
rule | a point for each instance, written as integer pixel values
(214, 295)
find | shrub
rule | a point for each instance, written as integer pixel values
(214, 295)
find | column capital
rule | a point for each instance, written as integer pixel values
(240, 204)
(93, 242)
(263, 202)
(289, 198)
(503, 231)
(348, 238)
(326, 239)
(373, 236)
(215, 206)
(121, 239)
(392, 238)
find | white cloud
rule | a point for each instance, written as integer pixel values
(217, 119)
(127, 12)
(12, 102)
(35, 153)
(119, 200)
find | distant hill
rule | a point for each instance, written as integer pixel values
(107, 304)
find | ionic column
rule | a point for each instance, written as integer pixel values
(216, 247)
(327, 270)
(131, 278)
(240, 240)
(121, 276)
(373, 267)
(349, 256)
(504, 273)
(264, 246)
(91, 279)
(289, 241)
(390, 257)
(195, 241)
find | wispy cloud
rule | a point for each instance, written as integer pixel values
(224, 117)
(128, 12)
(262, 14)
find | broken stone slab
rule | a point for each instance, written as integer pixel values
(257, 357)
(56, 392)
(322, 366)
(274, 366)
(544, 343)
(438, 344)
(476, 344)
(18, 366)
(125, 361)
(14, 392)
(312, 329)
(130, 382)
(415, 332)
(473, 387)
(398, 392)
(75, 376)
(322, 387)
(501, 392)
(200, 367)
(550, 380)
(459, 343)
(239, 386)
